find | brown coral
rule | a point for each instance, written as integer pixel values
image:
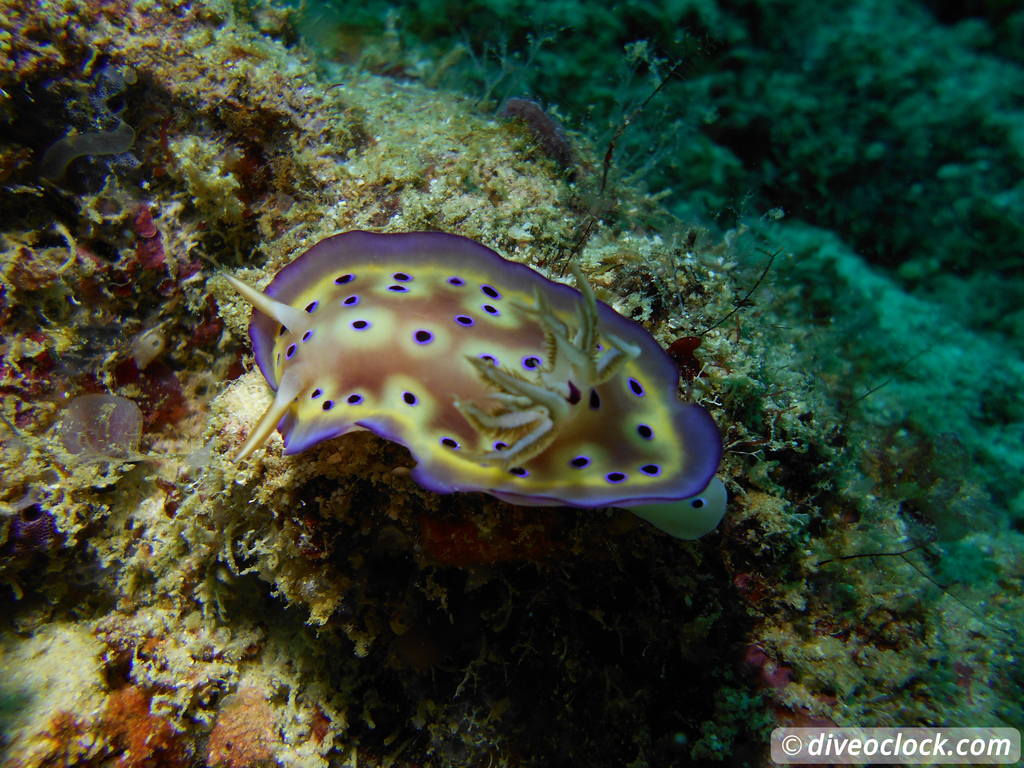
(144, 738)
(63, 742)
(244, 732)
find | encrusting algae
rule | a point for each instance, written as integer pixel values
(325, 608)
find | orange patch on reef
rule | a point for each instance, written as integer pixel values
(63, 742)
(244, 732)
(145, 740)
(519, 535)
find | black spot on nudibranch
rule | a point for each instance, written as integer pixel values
(490, 290)
(697, 503)
(490, 359)
(283, 331)
(354, 399)
(409, 398)
(307, 335)
(595, 400)
(530, 362)
(316, 393)
(343, 279)
(448, 442)
(645, 431)
(398, 288)
(456, 281)
(360, 325)
(489, 309)
(574, 394)
(401, 277)
(311, 307)
(499, 445)
(423, 337)
(328, 404)
(518, 472)
(651, 470)
(580, 462)
(636, 386)
(615, 477)
(464, 320)
(290, 352)
(351, 301)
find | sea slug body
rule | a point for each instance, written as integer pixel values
(494, 377)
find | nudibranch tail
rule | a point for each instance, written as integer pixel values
(688, 518)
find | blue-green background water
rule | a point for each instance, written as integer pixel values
(878, 145)
(895, 124)
(888, 135)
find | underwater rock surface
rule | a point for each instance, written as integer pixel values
(166, 606)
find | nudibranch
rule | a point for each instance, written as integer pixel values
(495, 378)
